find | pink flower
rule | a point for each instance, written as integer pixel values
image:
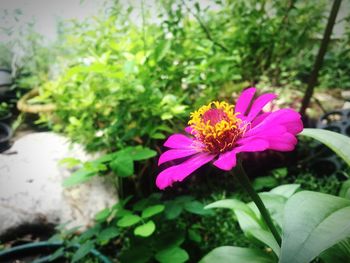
(219, 131)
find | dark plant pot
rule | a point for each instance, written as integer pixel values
(41, 252)
(5, 136)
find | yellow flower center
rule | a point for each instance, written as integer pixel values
(216, 126)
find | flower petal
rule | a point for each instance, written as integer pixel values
(284, 143)
(178, 141)
(255, 145)
(178, 173)
(244, 100)
(226, 161)
(288, 118)
(260, 103)
(176, 154)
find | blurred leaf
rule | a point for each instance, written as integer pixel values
(78, 177)
(152, 210)
(146, 229)
(345, 189)
(69, 162)
(172, 210)
(196, 207)
(128, 220)
(123, 165)
(107, 234)
(83, 251)
(103, 215)
(339, 253)
(140, 153)
(172, 255)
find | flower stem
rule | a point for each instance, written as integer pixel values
(244, 180)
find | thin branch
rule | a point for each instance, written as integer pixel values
(205, 28)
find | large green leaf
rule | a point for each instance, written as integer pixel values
(339, 143)
(312, 223)
(172, 254)
(286, 190)
(229, 254)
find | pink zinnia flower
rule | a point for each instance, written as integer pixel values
(219, 131)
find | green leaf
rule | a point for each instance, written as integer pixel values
(107, 234)
(123, 165)
(194, 236)
(313, 222)
(172, 255)
(83, 251)
(286, 190)
(162, 49)
(78, 177)
(172, 210)
(345, 189)
(146, 229)
(233, 204)
(139, 153)
(227, 254)
(103, 214)
(339, 143)
(128, 220)
(152, 210)
(69, 162)
(196, 207)
(266, 238)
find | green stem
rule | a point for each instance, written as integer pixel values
(244, 180)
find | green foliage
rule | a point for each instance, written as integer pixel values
(120, 162)
(4, 109)
(311, 223)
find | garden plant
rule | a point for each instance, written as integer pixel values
(192, 115)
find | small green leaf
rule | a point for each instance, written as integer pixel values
(146, 229)
(103, 215)
(128, 220)
(197, 207)
(80, 176)
(339, 143)
(172, 255)
(69, 162)
(123, 165)
(345, 189)
(139, 153)
(172, 210)
(107, 234)
(152, 210)
(227, 254)
(82, 251)
(194, 236)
